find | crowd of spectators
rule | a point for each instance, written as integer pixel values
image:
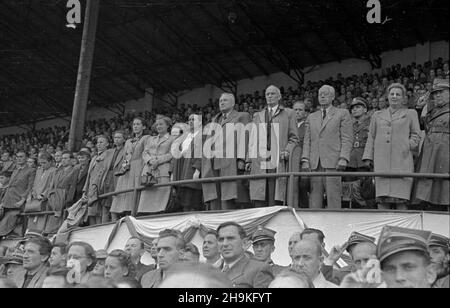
(39, 174)
(402, 258)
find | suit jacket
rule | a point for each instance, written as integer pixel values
(19, 187)
(284, 140)
(152, 279)
(227, 166)
(248, 273)
(36, 282)
(328, 140)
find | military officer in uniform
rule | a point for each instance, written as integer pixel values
(361, 123)
(404, 258)
(439, 249)
(263, 241)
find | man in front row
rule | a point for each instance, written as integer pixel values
(404, 258)
(171, 247)
(240, 269)
(263, 241)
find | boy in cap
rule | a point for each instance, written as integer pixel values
(263, 241)
(438, 247)
(404, 258)
(361, 123)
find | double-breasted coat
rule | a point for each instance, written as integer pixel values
(284, 138)
(132, 178)
(435, 158)
(155, 199)
(393, 136)
(234, 190)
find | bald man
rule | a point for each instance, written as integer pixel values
(327, 147)
(307, 257)
(278, 126)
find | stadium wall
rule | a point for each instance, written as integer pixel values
(419, 54)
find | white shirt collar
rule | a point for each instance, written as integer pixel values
(230, 265)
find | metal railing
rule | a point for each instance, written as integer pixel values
(292, 176)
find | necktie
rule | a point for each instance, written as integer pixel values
(225, 268)
(324, 114)
(271, 114)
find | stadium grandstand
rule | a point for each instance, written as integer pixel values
(97, 98)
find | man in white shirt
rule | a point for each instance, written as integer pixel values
(211, 249)
(307, 257)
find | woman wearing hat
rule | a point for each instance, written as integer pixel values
(436, 149)
(393, 136)
(157, 163)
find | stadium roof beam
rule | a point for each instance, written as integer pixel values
(216, 43)
(201, 63)
(277, 56)
(230, 80)
(238, 42)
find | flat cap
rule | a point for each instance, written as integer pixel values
(440, 84)
(101, 254)
(395, 239)
(439, 240)
(356, 238)
(263, 234)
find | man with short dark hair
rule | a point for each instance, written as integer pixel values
(211, 249)
(58, 256)
(240, 269)
(170, 247)
(404, 258)
(36, 254)
(301, 112)
(135, 248)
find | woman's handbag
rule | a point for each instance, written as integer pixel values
(148, 177)
(368, 188)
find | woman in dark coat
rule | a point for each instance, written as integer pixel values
(188, 167)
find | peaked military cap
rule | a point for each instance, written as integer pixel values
(356, 238)
(263, 234)
(395, 239)
(439, 240)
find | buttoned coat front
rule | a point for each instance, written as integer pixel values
(328, 140)
(391, 140)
